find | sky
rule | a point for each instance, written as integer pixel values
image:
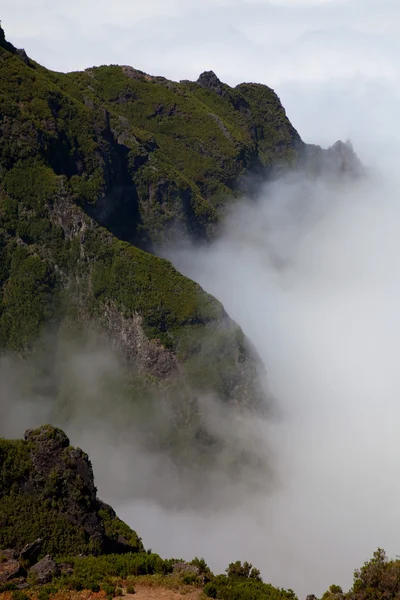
(335, 66)
(323, 57)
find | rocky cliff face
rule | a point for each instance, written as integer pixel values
(100, 166)
(47, 491)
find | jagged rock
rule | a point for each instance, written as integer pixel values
(44, 570)
(58, 487)
(10, 566)
(30, 553)
(338, 160)
(209, 80)
(344, 158)
(21, 52)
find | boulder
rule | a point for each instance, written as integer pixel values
(44, 570)
(30, 553)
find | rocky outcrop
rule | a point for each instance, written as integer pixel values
(210, 81)
(44, 570)
(339, 160)
(146, 356)
(51, 491)
(31, 552)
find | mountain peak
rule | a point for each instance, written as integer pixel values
(209, 80)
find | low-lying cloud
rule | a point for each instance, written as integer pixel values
(310, 271)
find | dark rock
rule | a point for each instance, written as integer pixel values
(57, 470)
(210, 81)
(21, 52)
(44, 570)
(30, 553)
(311, 597)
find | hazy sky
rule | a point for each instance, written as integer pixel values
(323, 57)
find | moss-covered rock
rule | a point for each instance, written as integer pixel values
(47, 491)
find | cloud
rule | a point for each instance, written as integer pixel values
(269, 42)
(326, 324)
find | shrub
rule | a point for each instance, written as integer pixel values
(20, 595)
(46, 592)
(201, 564)
(190, 578)
(210, 590)
(246, 571)
(109, 590)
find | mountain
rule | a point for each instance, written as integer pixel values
(97, 169)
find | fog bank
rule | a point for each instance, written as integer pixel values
(310, 271)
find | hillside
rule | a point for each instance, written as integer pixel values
(99, 167)
(83, 185)
(55, 530)
(58, 540)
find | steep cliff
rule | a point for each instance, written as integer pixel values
(96, 169)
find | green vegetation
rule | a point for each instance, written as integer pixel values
(95, 168)
(109, 572)
(244, 582)
(47, 491)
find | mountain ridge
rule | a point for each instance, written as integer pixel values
(99, 167)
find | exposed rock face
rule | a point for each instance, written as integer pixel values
(339, 160)
(52, 491)
(147, 356)
(44, 571)
(84, 201)
(209, 80)
(30, 553)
